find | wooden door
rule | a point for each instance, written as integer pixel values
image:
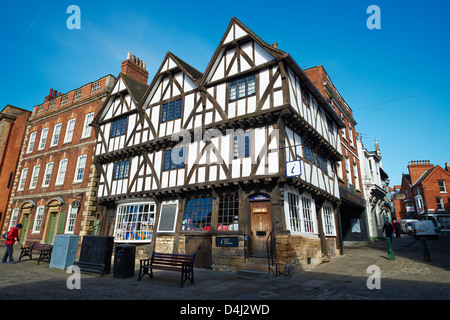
(51, 228)
(261, 225)
(202, 248)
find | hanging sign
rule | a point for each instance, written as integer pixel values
(293, 168)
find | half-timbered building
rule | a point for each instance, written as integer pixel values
(233, 164)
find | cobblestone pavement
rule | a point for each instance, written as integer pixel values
(345, 277)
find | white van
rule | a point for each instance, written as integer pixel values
(408, 225)
(425, 229)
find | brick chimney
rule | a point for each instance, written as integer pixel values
(134, 68)
(417, 168)
(51, 95)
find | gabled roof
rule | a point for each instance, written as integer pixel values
(237, 30)
(136, 88)
(428, 173)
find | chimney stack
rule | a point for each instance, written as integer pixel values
(51, 95)
(134, 68)
(417, 168)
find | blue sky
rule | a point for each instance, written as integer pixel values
(395, 78)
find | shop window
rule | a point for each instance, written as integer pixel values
(197, 214)
(301, 214)
(228, 213)
(134, 222)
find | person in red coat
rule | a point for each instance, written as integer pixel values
(13, 236)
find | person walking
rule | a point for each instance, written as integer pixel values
(388, 229)
(13, 236)
(397, 229)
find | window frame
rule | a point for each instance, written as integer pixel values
(128, 215)
(174, 108)
(69, 130)
(228, 208)
(23, 179)
(31, 142)
(242, 145)
(119, 174)
(167, 166)
(37, 224)
(71, 220)
(78, 168)
(61, 175)
(168, 203)
(122, 126)
(329, 225)
(200, 207)
(34, 176)
(43, 140)
(56, 134)
(442, 188)
(47, 173)
(236, 85)
(86, 126)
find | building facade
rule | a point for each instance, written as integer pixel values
(426, 195)
(352, 211)
(230, 164)
(12, 131)
(55, 186)
(375, 188)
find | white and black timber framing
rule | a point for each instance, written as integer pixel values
(282, 113)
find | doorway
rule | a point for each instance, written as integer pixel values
(261, 225)
(51, 227)
(202, 248)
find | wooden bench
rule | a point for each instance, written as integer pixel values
(43, 250)
(171, 262)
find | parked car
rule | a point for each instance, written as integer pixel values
(425, 229)
(408, 225)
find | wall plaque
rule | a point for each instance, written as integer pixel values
(227, 241)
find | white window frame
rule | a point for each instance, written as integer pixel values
(35, 176)
(123, 230)
(56, 134)
(329, 226)
(442, 186)
(80, 168)
(62, 168)
(297, 208)
(440, 204)
(43, 140)
(23, 179)
(38, 219)
(87, 128)
(31, 142)
(69, 130)
(47, 173)
(71, 220)
(164, 203)
(14, 216)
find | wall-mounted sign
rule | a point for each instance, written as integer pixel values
(227, 241)
(259, 210)
(293, 168)
(76, 204)
(260, 197)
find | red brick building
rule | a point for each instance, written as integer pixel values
(353, 205)
(427, 194)
(54, 189)
(12, 131)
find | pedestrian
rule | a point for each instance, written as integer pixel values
(397, 229)
(388, 229)
(13, 236)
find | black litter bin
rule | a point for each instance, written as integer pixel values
(124, 256)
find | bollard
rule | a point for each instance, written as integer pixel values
(426, 253)
(389, 245)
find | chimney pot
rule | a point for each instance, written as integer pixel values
(275, 45)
